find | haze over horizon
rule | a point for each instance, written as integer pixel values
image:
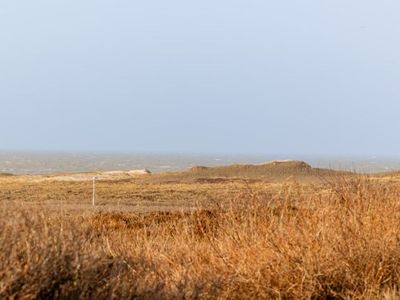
(291, 77)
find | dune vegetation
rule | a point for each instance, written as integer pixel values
(333, 236)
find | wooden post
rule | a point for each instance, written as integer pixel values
(94, 191)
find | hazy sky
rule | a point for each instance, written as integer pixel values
(287, 76)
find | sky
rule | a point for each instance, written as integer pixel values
(227, 76)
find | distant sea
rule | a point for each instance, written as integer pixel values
(46, 162)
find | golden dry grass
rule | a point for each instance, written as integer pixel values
(336, 239)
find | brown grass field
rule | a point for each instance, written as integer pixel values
(282, 231)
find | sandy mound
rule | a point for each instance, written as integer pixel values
(270, 168)
(106, 175)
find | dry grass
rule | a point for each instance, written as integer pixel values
(337, 240)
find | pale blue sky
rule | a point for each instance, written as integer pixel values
(298, 77)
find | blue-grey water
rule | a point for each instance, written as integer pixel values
(43, 163)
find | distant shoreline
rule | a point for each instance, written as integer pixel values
(31, 163)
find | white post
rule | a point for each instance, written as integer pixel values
(94, 191)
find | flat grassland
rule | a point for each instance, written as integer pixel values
(282, 230)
